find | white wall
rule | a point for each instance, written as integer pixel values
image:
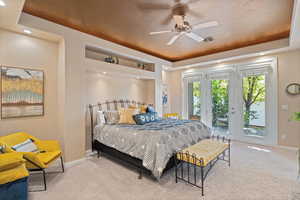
(19, 50)
(105, 87)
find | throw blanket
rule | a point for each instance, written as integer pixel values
(154, 143)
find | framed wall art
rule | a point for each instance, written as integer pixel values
(22, 92)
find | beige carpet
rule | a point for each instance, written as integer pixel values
(255, 174)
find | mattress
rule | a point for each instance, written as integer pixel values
(154, 143)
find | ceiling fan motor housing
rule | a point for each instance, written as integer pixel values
(180, 9)
(185, 28)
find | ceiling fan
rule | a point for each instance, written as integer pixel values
(179, 7)
(182, 27)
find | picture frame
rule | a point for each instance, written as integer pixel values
(22, 92)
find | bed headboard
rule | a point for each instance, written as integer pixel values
(110, 106)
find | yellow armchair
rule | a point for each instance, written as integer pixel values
(49, 151)
(12, 167)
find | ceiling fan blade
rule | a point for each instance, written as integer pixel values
(153, 6)
(206, 25)
(195, 37)
(194, 13)
(179, 19)
(159, 32)
(191, 1)
(174, 38)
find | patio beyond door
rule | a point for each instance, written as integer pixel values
(219, 99)
(239, 102)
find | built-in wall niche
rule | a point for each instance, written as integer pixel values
(109, 57)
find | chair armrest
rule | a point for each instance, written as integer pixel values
(32, 158)
(10, 160)
(48, 145)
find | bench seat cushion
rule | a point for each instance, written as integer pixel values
(207, 149)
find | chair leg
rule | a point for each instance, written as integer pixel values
(62, 164)
(202, 180)
(45, 183)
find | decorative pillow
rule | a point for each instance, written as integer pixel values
(100, 118)
(144, 109)
(144, 118)
(147, 117)
(126, 115)
(26, 146)
(132, 107)
(112, 117)
(150, 109)
(153, 116)
(140, 119)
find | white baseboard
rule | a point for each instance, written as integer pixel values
(287, 148)
(74, 162)
(88, 154)
(295, 149)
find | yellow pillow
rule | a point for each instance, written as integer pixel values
(126, 115)
(132, 107)
(144, 109)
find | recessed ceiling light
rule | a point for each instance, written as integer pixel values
(27, 31)
(2, 3)
(104, 72)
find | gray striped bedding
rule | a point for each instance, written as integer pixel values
(153, 143)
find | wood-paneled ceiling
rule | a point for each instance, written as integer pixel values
(128, 22)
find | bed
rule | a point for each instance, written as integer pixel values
(149, 147)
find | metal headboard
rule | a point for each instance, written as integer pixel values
(110, 106)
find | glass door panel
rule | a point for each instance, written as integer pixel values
(238, 102)
(220, 106)
(194, 100)
(254, 102)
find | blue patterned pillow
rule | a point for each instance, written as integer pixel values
(148, 117)
(140, 119)
(153, 116)
(150, 109)
(144, 118)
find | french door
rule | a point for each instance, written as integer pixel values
(237, 101)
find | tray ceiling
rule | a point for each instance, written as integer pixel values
(128, 22)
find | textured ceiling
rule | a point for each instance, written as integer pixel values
(128, 22)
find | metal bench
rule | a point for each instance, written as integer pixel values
(203, 155)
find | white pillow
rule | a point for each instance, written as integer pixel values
(26, 146)
(100, 118)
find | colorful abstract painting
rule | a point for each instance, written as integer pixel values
(22, 92)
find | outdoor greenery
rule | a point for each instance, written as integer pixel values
(196, 96)
(220, 100)
(297, 116)
(253, 92)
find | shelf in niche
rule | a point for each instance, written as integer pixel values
(101, 55)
